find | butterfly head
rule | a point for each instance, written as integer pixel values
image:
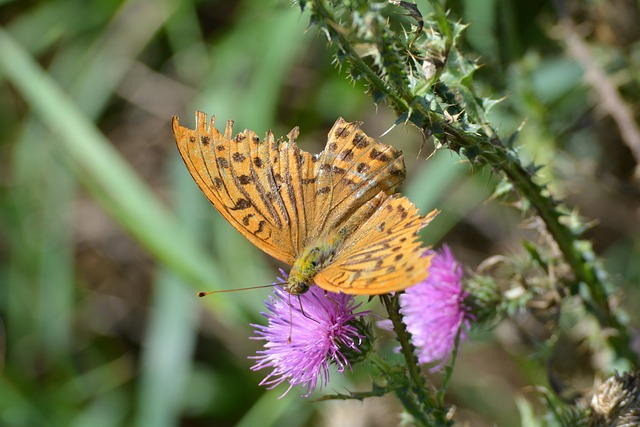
(308, 264)
(296, 287)
(302, 273)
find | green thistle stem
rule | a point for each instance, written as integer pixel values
(416, 399)
(584, 270)
(415, 374)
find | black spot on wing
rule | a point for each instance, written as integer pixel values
(241, 204)
(238, 157)
(245, 179)
(343, 131)
(378, 155)
(360, 140)
(223, 163)
(362, 168)
(346, 155)
(306, 181)
(246, 218)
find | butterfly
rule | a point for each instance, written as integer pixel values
(332, 216)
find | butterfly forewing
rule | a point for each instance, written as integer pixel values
(244, 178)
(382, 255)
(352, 169)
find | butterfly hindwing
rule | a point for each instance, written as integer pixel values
(382, 255)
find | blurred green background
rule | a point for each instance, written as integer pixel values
(105, 238)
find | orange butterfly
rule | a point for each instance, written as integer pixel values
(331, 216)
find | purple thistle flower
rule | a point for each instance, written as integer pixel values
(434, 310)
(320, 335)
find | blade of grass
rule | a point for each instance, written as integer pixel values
(106, 411)
(270, 411)
(49, 16)
(265, 60)
(92, 86)
(187, 41)
(55, 274)
(104, 173)
(166, 358)
(19, 409)
(106, 377)
(171, 332)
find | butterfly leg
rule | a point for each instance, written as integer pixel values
(291, 317)
(327, 296)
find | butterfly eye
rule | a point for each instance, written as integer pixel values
(297, 288)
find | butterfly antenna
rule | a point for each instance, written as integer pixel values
(204, 294)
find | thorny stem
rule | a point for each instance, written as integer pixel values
(391, 305)
(492, 151)
(404, 395)
(360, 65)
(417, 399)
(584, 269)
(379, 362)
